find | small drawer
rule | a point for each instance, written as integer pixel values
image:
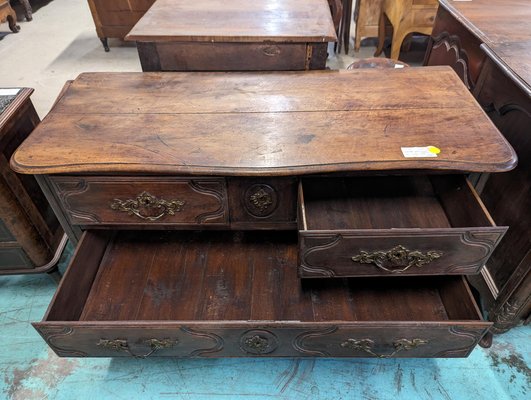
(374, 226)
(237, 294)
(132, 201)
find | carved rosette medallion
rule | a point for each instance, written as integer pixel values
(260, 200)
(148, 207)
(258, 342)
(398, 259)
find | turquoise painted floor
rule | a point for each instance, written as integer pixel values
(31, 371)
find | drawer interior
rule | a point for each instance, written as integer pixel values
(235, 276)
(390, 203)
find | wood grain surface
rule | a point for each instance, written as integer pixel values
(504, 26)
(283, 123)
(236, 20)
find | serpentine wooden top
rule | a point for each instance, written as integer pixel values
(236, 21)
(505, 28)
(279, 123)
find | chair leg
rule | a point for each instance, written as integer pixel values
(381, 35)
(398, 38)
(12, 21)
(27, 9)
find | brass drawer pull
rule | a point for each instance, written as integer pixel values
(398, 259)
(147, 201)
(367, 345)
(123, 345)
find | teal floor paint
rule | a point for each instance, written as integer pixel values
(31, 371)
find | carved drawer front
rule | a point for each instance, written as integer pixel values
(393, 340)
(237, 294)
(393, 226)
(207, 56)
(142, 201)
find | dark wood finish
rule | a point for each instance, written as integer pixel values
(238, 35)
(503, 26)
(230, 319)
(9, 15)
(115, 18)
(488, 43)
(263, 203)
(214, 293)
(343, 218)
(29, 231)
(452, 44)
(28, 12)
(142, 201)
(184, 129)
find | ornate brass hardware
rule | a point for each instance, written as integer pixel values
(257, 343)
(123, 345)
(261, 200)
(147, 201)
(398, 259)
(367, 345)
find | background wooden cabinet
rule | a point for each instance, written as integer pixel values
(115, 18)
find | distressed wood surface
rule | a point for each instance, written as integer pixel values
(236, 20)
(264, 124)
(504, 26)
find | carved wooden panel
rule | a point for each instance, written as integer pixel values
(508, 196)
(396, 252)
(262, 201)
(362, 339)
(451, 44)
(142, 201)
(391, 340)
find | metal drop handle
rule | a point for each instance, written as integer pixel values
(367, 346)
(123, 345)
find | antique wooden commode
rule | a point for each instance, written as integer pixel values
(199, 201)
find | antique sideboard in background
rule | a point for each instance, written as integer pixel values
(488, 44)
(31, 239)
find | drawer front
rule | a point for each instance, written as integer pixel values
(396, 252)
(206, 56)
(142, 201)
(381, 340)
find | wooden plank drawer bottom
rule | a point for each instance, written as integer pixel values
(235, 294)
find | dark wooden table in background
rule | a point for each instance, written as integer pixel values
(234, 35)
(488, 44)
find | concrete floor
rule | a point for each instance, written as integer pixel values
(59, 44)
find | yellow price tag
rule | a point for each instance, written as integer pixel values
(434, 150)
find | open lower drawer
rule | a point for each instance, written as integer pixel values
(377, 226)
(226, 294)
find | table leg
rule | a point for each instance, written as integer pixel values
(12, 20)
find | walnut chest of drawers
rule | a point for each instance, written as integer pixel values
(280, 214)
(234, 35)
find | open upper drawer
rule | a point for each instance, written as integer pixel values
(374, 226)
(235, 294)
